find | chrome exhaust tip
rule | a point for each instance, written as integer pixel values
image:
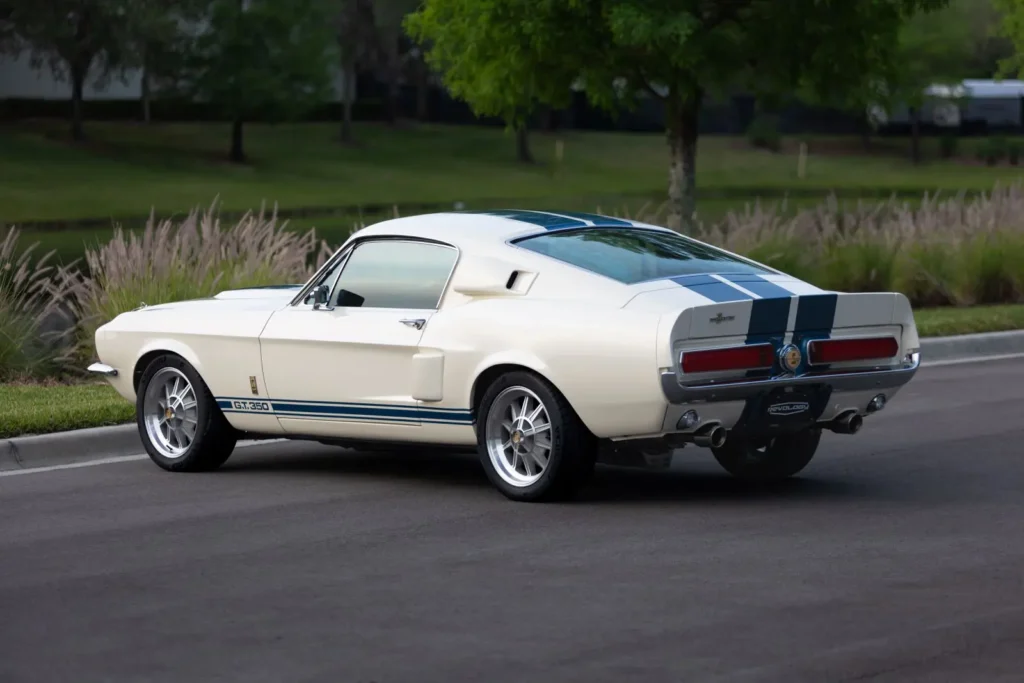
(848, 423)
(711, 437)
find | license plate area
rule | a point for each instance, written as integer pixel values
(783, 410)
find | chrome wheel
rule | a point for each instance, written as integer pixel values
(518, 436)
(171, 412)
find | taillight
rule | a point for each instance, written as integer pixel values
(753, 357)
(823, 351)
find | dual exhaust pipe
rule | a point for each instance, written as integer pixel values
(714, 436)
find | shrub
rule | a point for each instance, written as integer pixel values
(195, 258)
(33, 297)
(763, 133)
(948, 144)
(992, 150)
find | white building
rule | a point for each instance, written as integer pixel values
(19, 80)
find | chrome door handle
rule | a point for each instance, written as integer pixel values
(418, 323)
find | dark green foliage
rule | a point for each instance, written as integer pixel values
(266, 58)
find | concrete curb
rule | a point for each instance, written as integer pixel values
(968, 346)
(83, 445)
(65, 448)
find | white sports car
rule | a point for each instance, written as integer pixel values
(542, 340)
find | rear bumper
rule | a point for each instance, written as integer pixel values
(874, 380)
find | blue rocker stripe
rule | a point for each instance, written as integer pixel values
(325, 409)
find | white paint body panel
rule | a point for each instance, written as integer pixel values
(603, 344)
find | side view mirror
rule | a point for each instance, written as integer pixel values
(320, 294)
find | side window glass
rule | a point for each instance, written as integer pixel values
(394, 274)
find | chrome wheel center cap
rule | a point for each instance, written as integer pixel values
(517, 436)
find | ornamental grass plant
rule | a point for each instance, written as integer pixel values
(189, 259)
(34, 295)
(942, 251)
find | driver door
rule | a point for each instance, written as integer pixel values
(340, 364)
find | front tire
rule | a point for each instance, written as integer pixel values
(181, 426)
(771, 459)
(531, 443)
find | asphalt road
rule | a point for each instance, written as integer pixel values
(897, 556)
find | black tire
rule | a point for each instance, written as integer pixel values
(768, 460)
(573, 451)
(214, 438)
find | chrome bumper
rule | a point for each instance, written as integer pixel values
(739, 391)
(102, 369)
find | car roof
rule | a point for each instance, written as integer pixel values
(484, 230)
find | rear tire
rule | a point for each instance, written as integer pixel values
(181, 426)
(533, 446)
(768, 460)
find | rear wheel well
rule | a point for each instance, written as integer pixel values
(488, 376)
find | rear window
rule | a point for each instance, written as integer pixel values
(633, 255)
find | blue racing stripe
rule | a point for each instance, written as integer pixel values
(597, 219)
(816, 313)
(768, 318)
(713, 289)
(544, 220)
(758, 285)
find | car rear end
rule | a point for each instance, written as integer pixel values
(785, 362)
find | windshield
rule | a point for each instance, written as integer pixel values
(632, 255)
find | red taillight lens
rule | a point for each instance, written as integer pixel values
(845, 350)
(736, 358)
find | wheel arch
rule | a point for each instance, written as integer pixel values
(160, 348)
(489, 374)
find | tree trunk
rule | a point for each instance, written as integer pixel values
(523, 152)
(237, 148)
(915, 135)
(422, 90)
(348, 70)
(78, 73)
(146, 117)
(391, 107)
(682, 114)
(865, 133)
(392, 71)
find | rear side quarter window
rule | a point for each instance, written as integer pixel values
(632, 255)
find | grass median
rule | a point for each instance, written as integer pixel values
(43, 408)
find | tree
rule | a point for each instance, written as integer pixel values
(1011, 26)
(935, 48)
(263, 58)
(389, 16)
(356, 45)
(502, 56)
(159, 38)
(72, 37)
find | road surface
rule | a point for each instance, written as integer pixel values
(897, 556)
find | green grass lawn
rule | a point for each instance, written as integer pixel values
(37, 409)
(43, 408)
(127, 169)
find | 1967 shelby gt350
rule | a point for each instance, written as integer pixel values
(540, 339)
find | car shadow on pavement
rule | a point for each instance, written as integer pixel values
(689, 483)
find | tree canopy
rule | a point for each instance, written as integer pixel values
(271, 58)
(504, 56)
